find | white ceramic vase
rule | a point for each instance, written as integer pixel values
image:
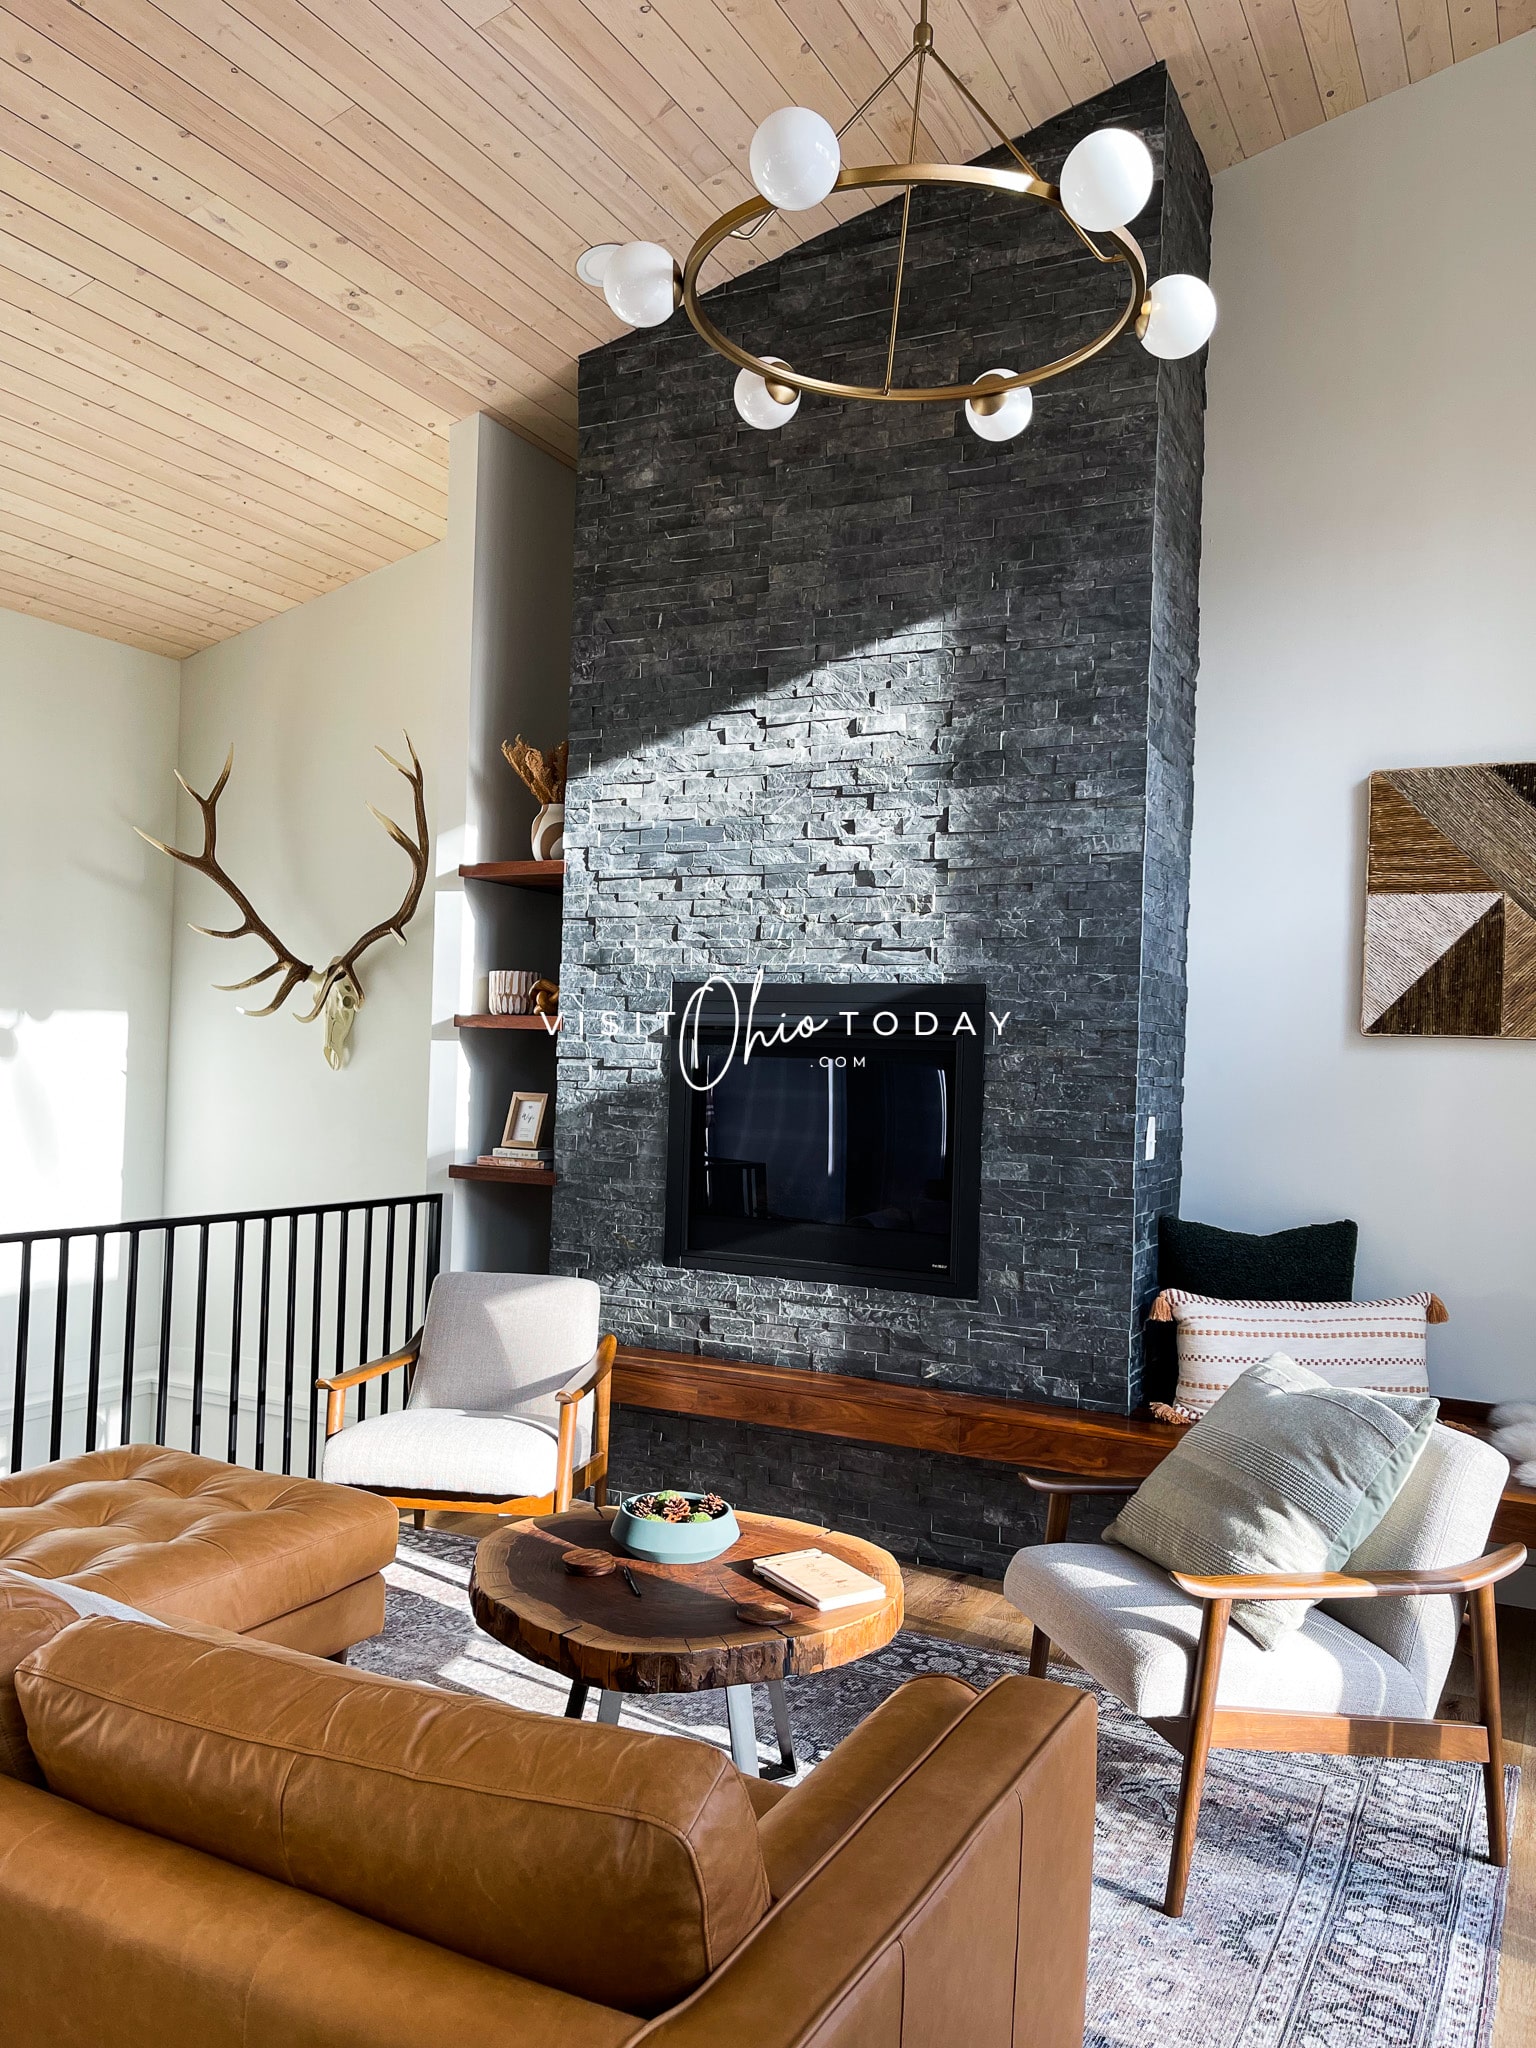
(548, 834)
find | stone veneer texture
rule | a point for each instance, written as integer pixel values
(870, 699)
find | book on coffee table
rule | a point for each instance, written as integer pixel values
(818, 1579)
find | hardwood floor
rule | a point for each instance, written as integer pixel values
(970, 1610)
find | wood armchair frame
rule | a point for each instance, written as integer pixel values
(595, 1377)
(1207, 1726)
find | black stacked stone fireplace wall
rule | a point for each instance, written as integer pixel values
(868, 699)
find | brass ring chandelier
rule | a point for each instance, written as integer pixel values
(796, 162)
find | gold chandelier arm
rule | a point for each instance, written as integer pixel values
(906, 215)
(979, 176)
(885, 84)
(1019, 158)
(976, 107)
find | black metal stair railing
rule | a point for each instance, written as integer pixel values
(206, 1332)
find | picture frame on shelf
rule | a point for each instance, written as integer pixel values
(525, 1121)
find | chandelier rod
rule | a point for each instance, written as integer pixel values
(1017, 154)
(923, 50)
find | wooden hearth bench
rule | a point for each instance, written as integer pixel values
(1037, 1434)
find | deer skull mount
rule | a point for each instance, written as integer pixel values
(338, 992)
(341, 1006)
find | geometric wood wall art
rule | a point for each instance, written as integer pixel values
(1450, 907)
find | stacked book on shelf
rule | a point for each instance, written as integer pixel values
(539, 1157)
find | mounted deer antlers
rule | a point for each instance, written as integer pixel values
(337, 989)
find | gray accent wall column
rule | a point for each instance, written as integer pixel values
(870, 699)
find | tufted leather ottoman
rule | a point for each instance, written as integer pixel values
(290, 1561)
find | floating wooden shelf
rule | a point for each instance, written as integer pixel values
(925, 1418)
(519, 874)
(506, 1176)
(489, 1023)
(946, 1420)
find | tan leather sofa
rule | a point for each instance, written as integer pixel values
(244, 1847)
(286, 1561)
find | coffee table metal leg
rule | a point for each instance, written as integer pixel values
(743, 1726)
(608, 1705)
(576, 1705)
(786, 1765)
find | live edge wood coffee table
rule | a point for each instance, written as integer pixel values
(682, 1634)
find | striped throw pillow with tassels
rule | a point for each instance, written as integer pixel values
(1378, 1346)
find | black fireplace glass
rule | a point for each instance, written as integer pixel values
(844, 1145)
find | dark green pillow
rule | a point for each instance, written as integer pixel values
(1314, 1263)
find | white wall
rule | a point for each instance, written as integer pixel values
(1369, 602)
(460, 644)
(255, 1116)
(87, 750)
(509, 549)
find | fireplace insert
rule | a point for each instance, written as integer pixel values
(821, 1131)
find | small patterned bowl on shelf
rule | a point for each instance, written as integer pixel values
(692, 1541)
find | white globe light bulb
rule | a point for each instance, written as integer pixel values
(1107, 179)
(757, 404)
(795, 159)
(1011, 417)
(1181, 312)
(639, 283)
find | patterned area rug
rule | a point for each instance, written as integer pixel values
(1334, 1903)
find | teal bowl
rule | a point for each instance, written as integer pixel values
(673, 1542)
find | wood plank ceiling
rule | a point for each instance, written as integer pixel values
(256, 256)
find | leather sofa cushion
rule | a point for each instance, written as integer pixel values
(189, 1538)
(114, 1939)
(29, 1617)
(32, 1612)
(614, 1865)
(798, 1830)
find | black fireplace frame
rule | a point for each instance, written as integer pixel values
(710, 1004)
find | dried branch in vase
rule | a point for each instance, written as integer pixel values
(542, 775)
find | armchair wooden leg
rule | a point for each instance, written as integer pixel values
(1058, 1515)
(1485, 1660)
(1213, 1639)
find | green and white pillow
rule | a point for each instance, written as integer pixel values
(1284, 1473)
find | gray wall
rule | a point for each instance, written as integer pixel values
(871, 699)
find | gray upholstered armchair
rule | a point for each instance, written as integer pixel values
(508, 1408)
(1362, 1676)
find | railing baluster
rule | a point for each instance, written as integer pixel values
(60, 1340)
(434, 1247)
(410, 1272)
(236, 1318)
(341, 1294)
(289, 1337)
(167, 1304)
(377, 1330)
(316, 1303)
(130, 1337)
(262, 1326)
(93, 1367)
(387, 1334)
(198, 1336)
(23, 1331)
(365, 1305)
